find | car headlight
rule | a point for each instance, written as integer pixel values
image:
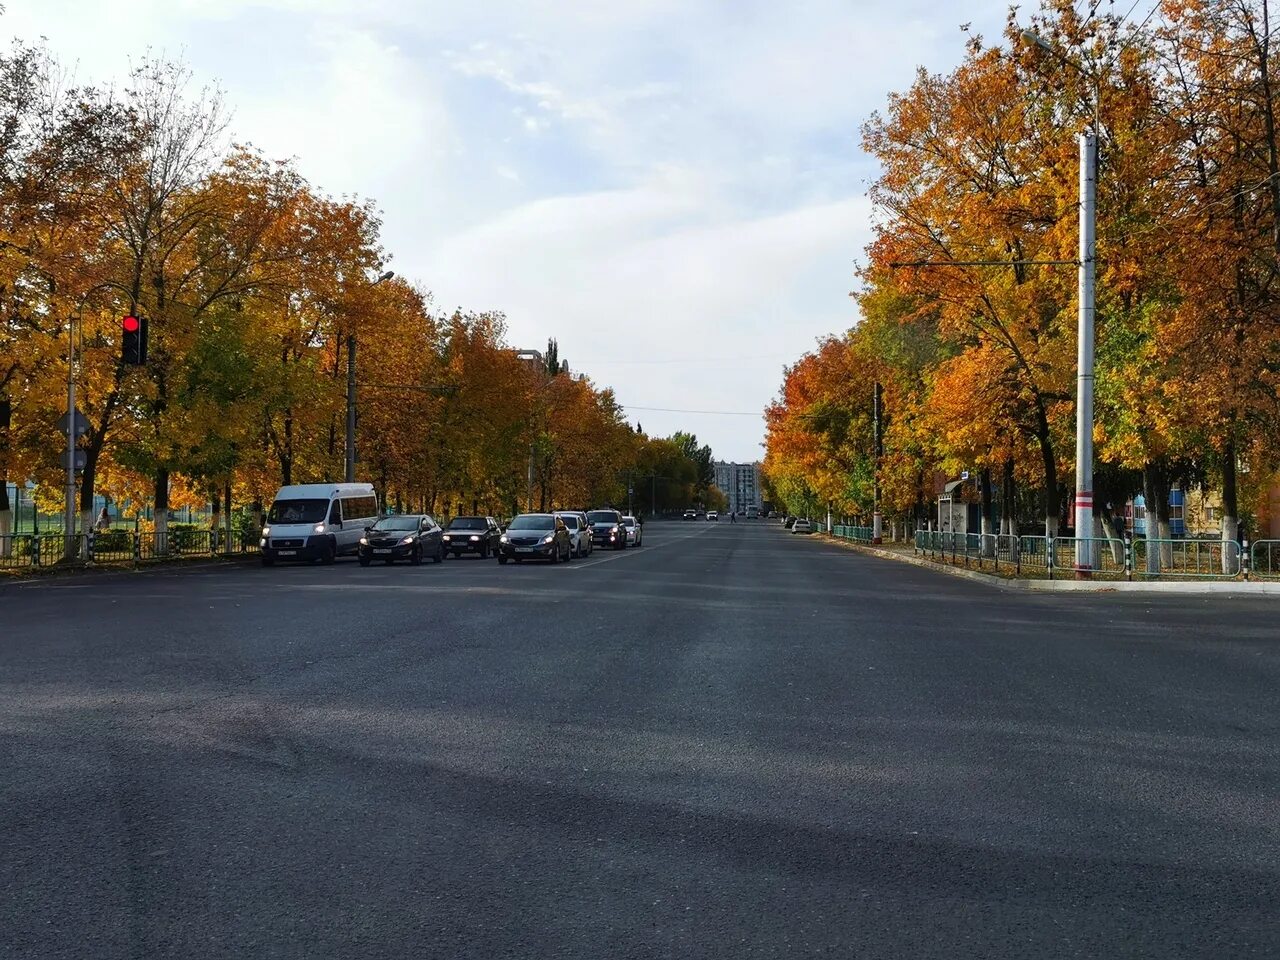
(409, 539)
(503, 538)
(262, 542)
(548, 538)
(475, 539)
(448, 537)
(614, 530)
(364, 541)
(319, 528)
(266, 531)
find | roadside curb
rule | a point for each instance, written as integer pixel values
(45, 574)
(1265, 588)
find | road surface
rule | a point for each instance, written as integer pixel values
(731, 742)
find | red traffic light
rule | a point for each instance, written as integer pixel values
(130, 324)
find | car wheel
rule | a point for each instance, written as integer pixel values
(329, 555)
(484, 552)
(365, 561)
(568, 553)
(416, 557)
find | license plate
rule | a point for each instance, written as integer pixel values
(287, 553)
(382, 551)
(526, 549)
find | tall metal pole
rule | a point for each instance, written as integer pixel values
(350, 473)
(69, 524)
(1084, 351)
(877, 518)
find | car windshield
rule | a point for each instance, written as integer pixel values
(570, 521)
(533, 522)
(602, 516)
(298, 511)
(629, 521)
(468, 523)
(397, 523)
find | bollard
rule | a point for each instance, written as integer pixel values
(1128, 557)
(88, 544)
(137, 548)
(1048, 554)
(35, 550)
(1244, 556)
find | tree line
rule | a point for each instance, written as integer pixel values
(255, 284)
(968, 297)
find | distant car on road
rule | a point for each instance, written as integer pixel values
(535, 536)
(607, 529)
(405, 536)
(691, 514)
(713, 515)
(802, 526)
(635, 532)
(579, 531)
(478, 535)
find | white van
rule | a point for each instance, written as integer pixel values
(317, 521)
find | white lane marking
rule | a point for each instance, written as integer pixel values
(619, 554)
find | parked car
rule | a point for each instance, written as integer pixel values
(606, 529)
(634, 530)
(691, 514)
(788, 522)
(802, 526)
(317, 521)
(713, 515)
(406, 536)
(579, 531)
(535, 536)
(477, 535)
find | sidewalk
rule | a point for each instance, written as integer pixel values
(906, 554)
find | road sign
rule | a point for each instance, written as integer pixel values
(79, 459)
(964, 474)
(81, 423)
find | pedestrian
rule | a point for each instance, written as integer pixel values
(104, 521)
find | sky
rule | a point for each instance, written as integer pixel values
(675, 191)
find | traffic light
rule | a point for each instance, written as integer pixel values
(133, 340)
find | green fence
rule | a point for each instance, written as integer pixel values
(113, 547)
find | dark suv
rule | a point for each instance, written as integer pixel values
(607, 529)
(477, 535)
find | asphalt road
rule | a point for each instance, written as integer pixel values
(731, 742)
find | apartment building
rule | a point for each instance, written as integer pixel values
(740, 482)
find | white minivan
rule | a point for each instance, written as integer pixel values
(317, 521)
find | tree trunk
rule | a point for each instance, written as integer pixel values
(1155, 491)
(1045, 441)
(1230, 512)
(6, 509)
(988, 525)
(161, 511)
(226, 513)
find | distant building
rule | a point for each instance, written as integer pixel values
(740, 482)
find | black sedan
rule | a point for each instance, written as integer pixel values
(536, 536)
(412, 537)
(478, 535)
(607, 529)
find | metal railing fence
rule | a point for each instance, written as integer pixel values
(1186, 558)
(27, 550)
(1264, 559)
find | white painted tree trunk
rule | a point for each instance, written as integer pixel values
(162, 530)
(1109, 529)
(1230, 544)
(1166, 548)
(86, 524)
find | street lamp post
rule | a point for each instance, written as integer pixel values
(350, 473)
(1086, 295)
